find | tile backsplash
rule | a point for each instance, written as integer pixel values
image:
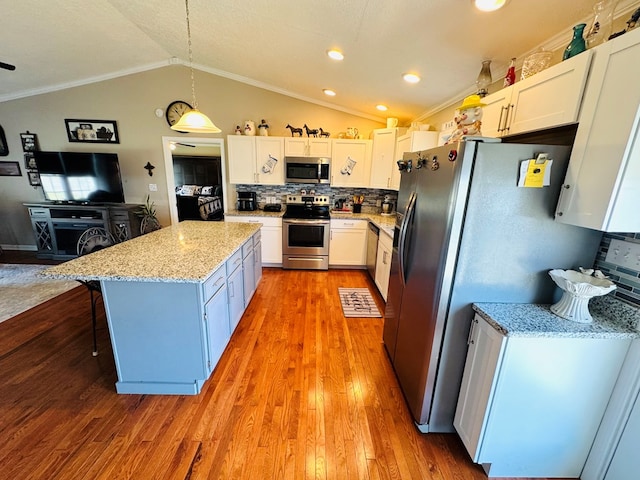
(372, 196)
(627, 280)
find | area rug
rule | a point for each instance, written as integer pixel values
(357, 302)
(21, 288)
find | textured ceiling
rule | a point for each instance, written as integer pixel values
(281, 45)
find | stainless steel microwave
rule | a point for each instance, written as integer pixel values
(307, 169)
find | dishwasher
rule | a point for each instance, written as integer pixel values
(372, 249)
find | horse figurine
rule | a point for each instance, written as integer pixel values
(311, 132)
(294, 130)
(324, 134)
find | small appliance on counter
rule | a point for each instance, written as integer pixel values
(387, 206)
(273, 207)
(247, 201)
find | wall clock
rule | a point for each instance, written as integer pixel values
(175, 110)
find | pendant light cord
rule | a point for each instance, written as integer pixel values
(193, 83)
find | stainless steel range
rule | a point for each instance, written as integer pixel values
(305, 232)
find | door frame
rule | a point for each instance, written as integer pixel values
(168, 168)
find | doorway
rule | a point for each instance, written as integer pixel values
(191, 147)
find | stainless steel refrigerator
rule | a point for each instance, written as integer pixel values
(465, 233)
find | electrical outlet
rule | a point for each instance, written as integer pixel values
(378, 203)
(153, 187)
(624, 254)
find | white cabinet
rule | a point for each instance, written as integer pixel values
(602, 185)
(411, 142)
(348, 243)
(546, 99)
(383, 156)
(383, 263)
(257, 252)
(256, 160)
(626, 459)
(350, 163)
(531, 406)
(271, 237)
(307, 147)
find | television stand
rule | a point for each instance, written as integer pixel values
(57, 227)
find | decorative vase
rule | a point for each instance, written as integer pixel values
(484, 78)
(577, 44)
(577, 289)
(602, 23)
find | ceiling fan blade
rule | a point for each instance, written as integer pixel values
(7, 66)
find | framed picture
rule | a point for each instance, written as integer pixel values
(30, 161)
(29, 142)
(10, 169)
(92, 131)
(34, 179)
(4, 148)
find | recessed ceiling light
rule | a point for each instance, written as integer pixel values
(382, 108)
(335, 54)
(489, 5)
(411, 77)
(329, 92)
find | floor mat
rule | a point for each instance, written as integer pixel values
(358, 302)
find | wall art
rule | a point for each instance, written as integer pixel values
(10, 169)
(92, 131)
(4, 148)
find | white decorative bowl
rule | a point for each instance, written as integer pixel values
(578, 288)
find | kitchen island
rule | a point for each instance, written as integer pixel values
(173, 298)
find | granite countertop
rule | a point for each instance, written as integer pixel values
(612, 318)
(185, 253)
(384, 222)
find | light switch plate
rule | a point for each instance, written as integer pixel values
(624, 254)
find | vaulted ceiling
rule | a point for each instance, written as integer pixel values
(281, 45)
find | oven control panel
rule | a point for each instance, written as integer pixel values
(308, 199)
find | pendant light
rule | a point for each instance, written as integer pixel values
(194, 121)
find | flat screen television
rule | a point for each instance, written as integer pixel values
(78, 177)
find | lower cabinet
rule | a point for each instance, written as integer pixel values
(235, 289)
(271, 236)
(348, 243)
(257, 256)
(531, 406)
(216, 319)
(383, 263)
(248, 272)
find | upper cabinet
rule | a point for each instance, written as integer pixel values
(602, 185)
(307, 147)
(383, 156)
(256, 160)
(549, 98)
(350, 163)
(411, 142)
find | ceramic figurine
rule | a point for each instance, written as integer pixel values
(468, 119)
(324, 134)
(238, 130)
(263, 128)
(311, 132)
(294, 130)
(249, 128)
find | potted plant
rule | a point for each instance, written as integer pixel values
(147, 212)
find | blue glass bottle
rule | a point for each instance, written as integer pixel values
(577, 44)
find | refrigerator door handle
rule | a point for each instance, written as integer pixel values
(403, 236)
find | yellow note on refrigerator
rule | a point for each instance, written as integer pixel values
(535, 173)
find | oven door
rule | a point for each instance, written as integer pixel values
(305, 237)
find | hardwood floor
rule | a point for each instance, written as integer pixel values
(301, 392)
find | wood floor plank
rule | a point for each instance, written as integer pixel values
(301, 392)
